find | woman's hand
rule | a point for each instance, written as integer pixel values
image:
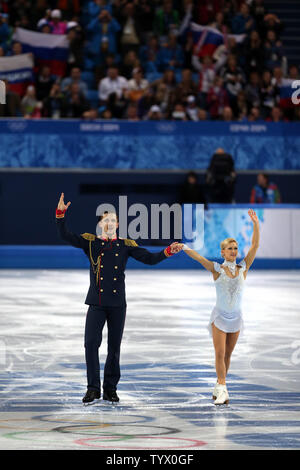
(61, 203)
(176, 247)
(253, 216)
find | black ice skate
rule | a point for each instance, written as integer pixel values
(110, 395)
(91, 397)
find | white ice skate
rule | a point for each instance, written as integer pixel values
(222, 396)
(215, 391)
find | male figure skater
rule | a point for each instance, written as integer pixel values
(108, 256)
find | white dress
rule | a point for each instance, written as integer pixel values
(227, 313)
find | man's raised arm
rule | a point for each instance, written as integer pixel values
(75, 240)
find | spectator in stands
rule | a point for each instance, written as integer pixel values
(276, 115)
(129, 63)
(76, 39)
(252, 90)
(268, 93)
(146, 10)
(207, 73)
(16, 48)
(206, 10)
(273, 51)
(227, 114)
(37, 12)
(293, 72)
(146, 102)
(53, 105)
(192, 110)
(109, 60)
(102, 25)
(149, 55)
(258, 11)
(221, 177)
(75, 77)
(45, 28)
(242, 22)
(219, 23)
(272, 22)
(130, 37)
(112, 84)
(170, 55)
(70, 8)
(106, 114)
(45, 20)
(164, 90)
(254, 53)
(191, 192)
(264, 191)
(166, 19)
(154, 113)
(178, 113)
(5, 31)
(254, 114)
(132, 113)
(91, 114)
(95, 7)
(30, 106)
(217, 99)
(202, 115)
(24, 22)
(44, 82)
(188, 49)
(185, 87)
(18, 9)
(137, 85)
(233, 79)
(58, 26)
(12, 107)
(240, 109)
(75, 103)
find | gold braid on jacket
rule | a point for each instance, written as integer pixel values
(95, 265)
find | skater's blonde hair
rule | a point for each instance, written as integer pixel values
(226, 242)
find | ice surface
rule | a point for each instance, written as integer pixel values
(167, 365)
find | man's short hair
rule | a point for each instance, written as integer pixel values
(101, 216)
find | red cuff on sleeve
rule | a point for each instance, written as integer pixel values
(167, 252)
(59, 213)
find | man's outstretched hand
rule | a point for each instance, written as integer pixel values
(61, 203)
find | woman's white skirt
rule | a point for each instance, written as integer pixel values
(227, 322)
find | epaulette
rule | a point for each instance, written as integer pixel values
(129, 242)
(88, 236)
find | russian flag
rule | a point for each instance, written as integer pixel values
(206, 39)
(48, 49)
(18, 71)
(285, 93)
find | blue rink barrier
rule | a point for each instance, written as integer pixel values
(67, 257)
(278, 248)
(125, 145)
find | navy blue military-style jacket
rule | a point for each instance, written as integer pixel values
(107, 264)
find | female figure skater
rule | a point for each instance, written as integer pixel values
(226, 318)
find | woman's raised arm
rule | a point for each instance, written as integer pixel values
(255, 239)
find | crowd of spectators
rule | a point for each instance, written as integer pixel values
(134, 60)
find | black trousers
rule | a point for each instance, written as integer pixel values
(95, 321)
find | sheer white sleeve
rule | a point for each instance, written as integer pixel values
(243, 265)
(217, 267)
